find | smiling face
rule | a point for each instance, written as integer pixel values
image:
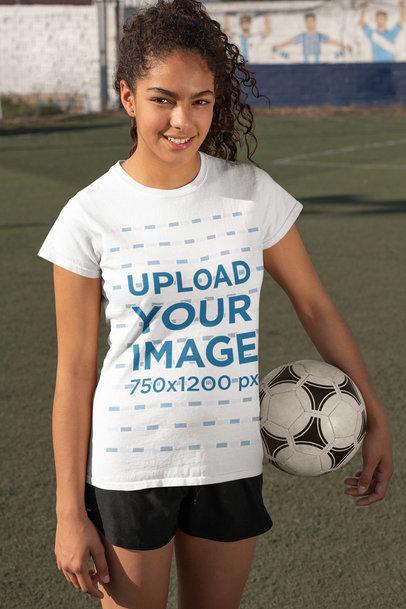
(176, 99)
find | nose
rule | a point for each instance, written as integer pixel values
(181, 117)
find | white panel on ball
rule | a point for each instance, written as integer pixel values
(313, 417)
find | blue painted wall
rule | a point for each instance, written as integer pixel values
(374, 84)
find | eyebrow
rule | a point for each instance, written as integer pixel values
(175, 95)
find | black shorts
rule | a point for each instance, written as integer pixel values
(147, 519)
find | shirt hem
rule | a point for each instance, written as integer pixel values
(178, 481)
(290, 220)
(60, 260)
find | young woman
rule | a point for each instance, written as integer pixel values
(164, 451)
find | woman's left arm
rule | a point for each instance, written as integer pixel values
(290, 266)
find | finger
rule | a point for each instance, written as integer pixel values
(72, 579)
(351, 481)
(378, 492)
(88, 585)
(354, 481)
(366, 477)
(372, 498)
(354, 492)
(355, 477)
(94, 577)
(100, 562)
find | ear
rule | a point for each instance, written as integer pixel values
(127, 98)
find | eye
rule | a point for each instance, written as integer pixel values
(158, 99)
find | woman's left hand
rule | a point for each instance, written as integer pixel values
(373, 481)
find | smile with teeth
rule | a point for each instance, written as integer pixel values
(177, 141)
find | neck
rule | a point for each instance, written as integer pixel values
(150, 170)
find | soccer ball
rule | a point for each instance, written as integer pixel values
(313, 417)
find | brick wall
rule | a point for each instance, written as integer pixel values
(52, 52)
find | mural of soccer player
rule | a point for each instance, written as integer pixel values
(382, 40)
(311, 41)
(247, 40)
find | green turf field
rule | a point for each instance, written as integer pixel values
(323, 552)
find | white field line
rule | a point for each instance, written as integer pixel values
(308, 155)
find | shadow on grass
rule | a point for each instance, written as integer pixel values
(75, 123)
(341, 201)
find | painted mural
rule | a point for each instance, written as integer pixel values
(369, 33)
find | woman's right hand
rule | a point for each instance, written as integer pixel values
(76, 541)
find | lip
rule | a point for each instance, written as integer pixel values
(178, 146)
(178, 137)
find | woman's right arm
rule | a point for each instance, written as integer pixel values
(77, 310)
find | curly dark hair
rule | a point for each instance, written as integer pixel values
(155, 31)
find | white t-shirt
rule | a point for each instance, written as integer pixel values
(177, 400)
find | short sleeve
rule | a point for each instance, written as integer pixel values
(71, 244)
(280, 209)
